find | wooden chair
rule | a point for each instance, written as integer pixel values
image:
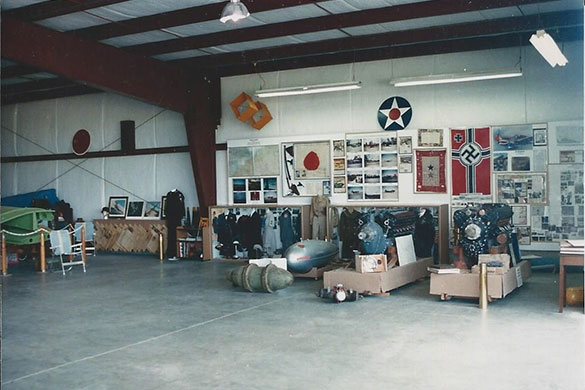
(69, 254)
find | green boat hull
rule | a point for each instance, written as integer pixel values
(22, 221)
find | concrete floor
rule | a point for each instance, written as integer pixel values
(132, 323)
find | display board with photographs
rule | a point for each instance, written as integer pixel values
(521, 188)
(564, 218)
(372, 166)
(254, 190)
(519, 148)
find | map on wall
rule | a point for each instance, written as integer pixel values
(253, 161)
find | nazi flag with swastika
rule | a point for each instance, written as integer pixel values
(471, 161)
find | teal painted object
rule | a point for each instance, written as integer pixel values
(23, 220)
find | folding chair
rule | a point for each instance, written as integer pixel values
(89, 236)
(61, 245)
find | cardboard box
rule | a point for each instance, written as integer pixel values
(378, 282)
(279, 262)
(370, 263)
(467, 284)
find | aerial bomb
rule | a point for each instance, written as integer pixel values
(254, 278)
(303, 256)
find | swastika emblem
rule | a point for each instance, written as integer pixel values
(471, 154)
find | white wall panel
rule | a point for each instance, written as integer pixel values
(8, 137)
(82, 187)
(36, 128)
(119, 108)
(8, 176)
(170, 129)
(35, 176)
(174, 171)
(130, 176)
(79, 112)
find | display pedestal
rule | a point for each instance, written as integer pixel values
(378, 282)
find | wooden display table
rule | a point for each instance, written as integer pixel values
(129, 235)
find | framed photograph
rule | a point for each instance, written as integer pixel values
(540, 137)
(239, 184)
(152, 210)
(430, 138)
(405, 145)
(327, 187)
(339, 148)
(163, 207)
(118, 206)
(339, 185)
(521, 215)
(405, 164)
(135, 209)
(523, 233)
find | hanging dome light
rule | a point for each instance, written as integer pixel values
(234, 11)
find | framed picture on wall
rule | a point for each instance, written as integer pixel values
(540, 137)
(135, 209)
(118, 206)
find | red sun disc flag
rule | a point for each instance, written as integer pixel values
(471, 161)
(311, 161)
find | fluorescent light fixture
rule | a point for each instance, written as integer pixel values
(548, 48)
(454, 78)
(263, 93)
(233, 11)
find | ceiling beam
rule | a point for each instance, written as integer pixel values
(395, 13)
(36, 85)
(51, 9)
(178, 17)
(404, 51)
(72, 90)
(254, 60)
(97, 64)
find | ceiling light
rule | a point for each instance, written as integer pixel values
(234, 11)
(263, 93)
(548, 48)
(454, 78)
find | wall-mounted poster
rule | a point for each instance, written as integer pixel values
(430, 171)
(312, 160)
(371, 161)
(291, 186)
(521, 188)
(471, 161)
(405, 145)
(430, 138)
(262, 160)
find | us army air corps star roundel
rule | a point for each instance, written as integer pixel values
(394, 113)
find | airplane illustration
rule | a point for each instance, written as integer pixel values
(511, 142)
